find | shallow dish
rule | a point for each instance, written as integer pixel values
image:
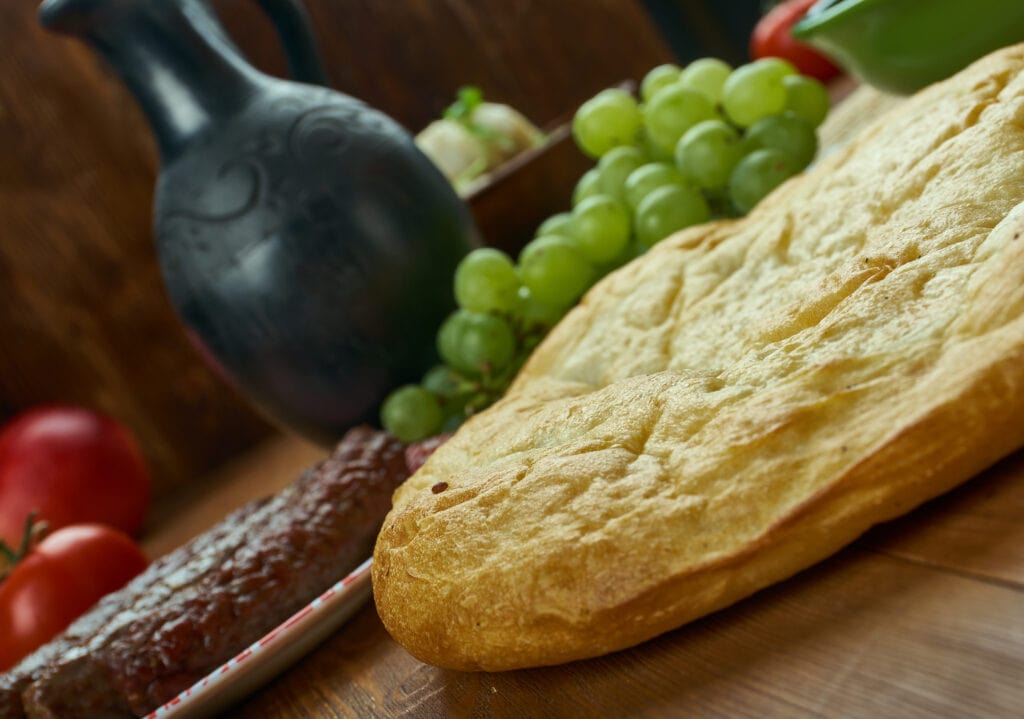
(902, 45)
(272, 654)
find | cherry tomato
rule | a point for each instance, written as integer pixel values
(772, 38)
(58, 581)
(70, 466)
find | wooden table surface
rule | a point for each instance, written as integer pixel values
(922, 617)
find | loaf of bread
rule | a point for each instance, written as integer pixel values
(738, 403)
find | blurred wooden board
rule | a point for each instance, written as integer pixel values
(528, 189)
(83, 313)
(409, 58)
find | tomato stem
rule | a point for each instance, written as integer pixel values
(31, 535)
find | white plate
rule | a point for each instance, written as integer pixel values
(272, 654)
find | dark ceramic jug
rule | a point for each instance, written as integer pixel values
(306, 242)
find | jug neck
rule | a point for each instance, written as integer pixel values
(173, 56)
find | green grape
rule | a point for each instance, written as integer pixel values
(708, 152)
(650, 177)
(455, 419)
(588, 185)
(449, 336)
(411, 413)
(806, 97)
(602, 228)
(666, 210)
(562, 223)
(443, 382)
(719, 202)
(609, 119)
(650, 149)
(756, 175)
(672, 112)
(706, 76)
(615, 166)
(486, 281)
(534, 314)
(754, 91)
(488, 343)
(777, 66)
(629, 253)
(476, 342)
(554, 270)
(660, 77)
(788, 133)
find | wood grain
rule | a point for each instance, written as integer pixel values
(537, 184)
(976, 530)
(862, 634)
(910, 621)
(874, 631)
(82, 310)
(409, 58)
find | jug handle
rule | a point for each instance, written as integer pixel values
(295, 31)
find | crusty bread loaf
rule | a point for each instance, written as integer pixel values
(740, 402)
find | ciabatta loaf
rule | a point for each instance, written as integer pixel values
(739, 403)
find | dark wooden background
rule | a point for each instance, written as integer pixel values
(83, 315)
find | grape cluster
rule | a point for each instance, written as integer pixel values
(505, 309)
(702, 141)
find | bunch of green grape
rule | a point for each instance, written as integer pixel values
(505, 309)
(702, 141)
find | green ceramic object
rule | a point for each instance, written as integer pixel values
(902, 45)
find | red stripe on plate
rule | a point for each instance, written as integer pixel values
(298, 617)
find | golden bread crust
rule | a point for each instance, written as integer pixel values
(738, 403)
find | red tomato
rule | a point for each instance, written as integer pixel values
(70, 466)
(771, 38)
(58, 581)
